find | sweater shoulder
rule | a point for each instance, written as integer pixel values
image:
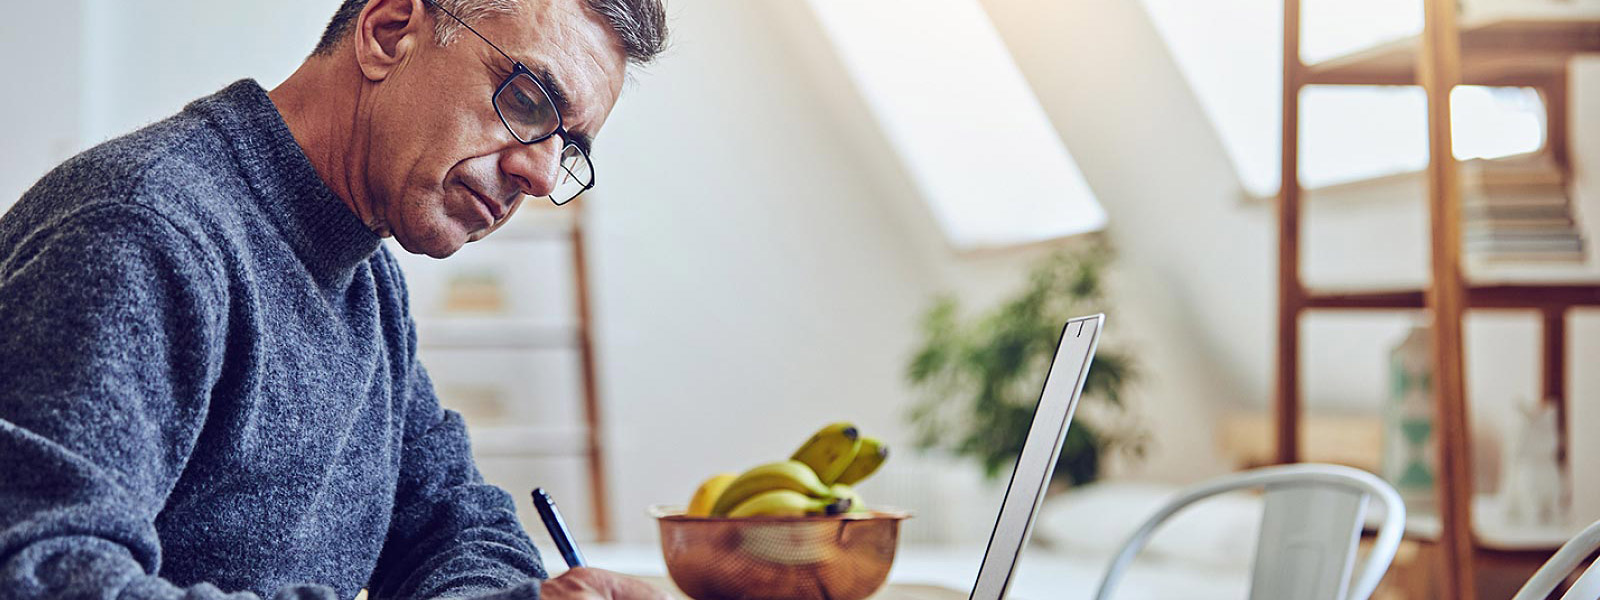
(184, 145)
(180, 167)
(178, 171)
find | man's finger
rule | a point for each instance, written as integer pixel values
(587, 582)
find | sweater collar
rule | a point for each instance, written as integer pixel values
(325, 234)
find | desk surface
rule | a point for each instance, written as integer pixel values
(946, 573)
(892, 591)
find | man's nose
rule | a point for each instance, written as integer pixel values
(534, 166)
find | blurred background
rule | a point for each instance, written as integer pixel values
(790, 190)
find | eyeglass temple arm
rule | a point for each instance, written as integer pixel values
(474, 31)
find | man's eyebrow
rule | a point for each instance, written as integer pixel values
(558, 95)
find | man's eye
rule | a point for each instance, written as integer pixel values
(528, 108)
(526, 102)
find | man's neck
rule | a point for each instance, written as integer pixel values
(319, 104)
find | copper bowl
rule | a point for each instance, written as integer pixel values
(843, 557)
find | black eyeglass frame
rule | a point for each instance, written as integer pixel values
(517, 70)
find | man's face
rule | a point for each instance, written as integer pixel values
(441, 168)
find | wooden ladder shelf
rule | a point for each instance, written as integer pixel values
(1528, 52)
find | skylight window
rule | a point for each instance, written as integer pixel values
(967, 127)
(1230, 53)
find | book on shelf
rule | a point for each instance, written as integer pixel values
(1556, 215)
(1521, 169)
(1570, 250)
(1530, 237)
(1553, 199)
(1484, 226)
(1525, 258)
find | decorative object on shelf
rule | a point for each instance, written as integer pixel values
(477, 403)
(475, 292)
(1410, 450)
(980, 379)
(1532, 491)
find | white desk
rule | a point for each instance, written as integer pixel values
(945, 573)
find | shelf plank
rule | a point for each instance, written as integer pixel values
(1366, 300)
(529, 440)
(1491, 531)
(1534, 296)
(1502, 296)
(496, 333)
(1502, 51)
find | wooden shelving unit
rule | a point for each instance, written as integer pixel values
(573, 333)
(1531, 52)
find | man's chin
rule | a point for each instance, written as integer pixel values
(441, 245)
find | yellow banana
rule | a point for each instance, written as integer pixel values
(850, 497)
(785, 475)
(867, 460)
(830, 450)
(706, 495)
(785, 503)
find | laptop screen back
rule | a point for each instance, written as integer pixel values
(1031, 475)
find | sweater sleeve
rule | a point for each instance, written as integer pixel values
(452, 534)
(110, 337)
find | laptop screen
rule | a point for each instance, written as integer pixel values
(1031, 475)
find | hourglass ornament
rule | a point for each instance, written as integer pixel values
(1410, 460)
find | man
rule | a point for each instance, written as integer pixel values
(208, 380)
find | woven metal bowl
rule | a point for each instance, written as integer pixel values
(843, 557)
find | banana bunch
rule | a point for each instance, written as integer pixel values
(816, 480)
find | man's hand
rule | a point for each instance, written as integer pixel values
(583, 583)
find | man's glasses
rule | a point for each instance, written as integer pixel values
(528, 111)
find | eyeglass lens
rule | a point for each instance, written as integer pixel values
(526, 108)
(529, 113)
(576, 175)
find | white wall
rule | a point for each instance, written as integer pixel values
(750, 286)
(83, 71)
(144, 61)
(40, 111)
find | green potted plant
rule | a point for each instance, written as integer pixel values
(980, 379)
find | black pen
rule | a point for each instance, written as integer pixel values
(557, 528)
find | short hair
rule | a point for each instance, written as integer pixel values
(641, 25)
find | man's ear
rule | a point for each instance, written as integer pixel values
(386, 33)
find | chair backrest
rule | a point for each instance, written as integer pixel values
(1310, 529)
(1560, 565)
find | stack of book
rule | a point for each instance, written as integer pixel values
(1517, 209)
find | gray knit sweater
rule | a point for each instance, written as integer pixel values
(209, 385)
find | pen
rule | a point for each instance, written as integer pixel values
(557, 528)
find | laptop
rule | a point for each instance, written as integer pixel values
(1031, 476)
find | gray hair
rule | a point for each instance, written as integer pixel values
(641, 25)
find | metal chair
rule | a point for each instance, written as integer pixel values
(1310, 529)
(1560, 565)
